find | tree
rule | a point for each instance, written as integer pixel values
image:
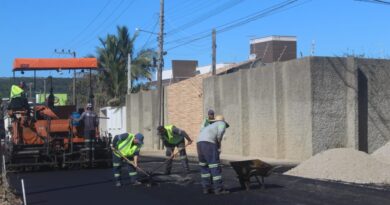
(113, 56)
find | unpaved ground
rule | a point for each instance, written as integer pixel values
(7, 197)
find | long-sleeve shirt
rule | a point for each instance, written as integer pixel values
(119, 138)
(213, 133)
(177, 133)
(91, 121)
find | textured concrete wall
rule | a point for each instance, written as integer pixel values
(268, 108)
(329, 91)
(351, 103)
(142, 116)
(377, 74)
(295, 109)
(288, 110)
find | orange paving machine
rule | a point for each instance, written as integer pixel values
(44, 135)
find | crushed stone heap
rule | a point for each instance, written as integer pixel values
(344, 164)
(383, 154)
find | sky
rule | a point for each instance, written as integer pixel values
(35, 28)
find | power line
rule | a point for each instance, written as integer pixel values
(376, 1)
(255, 16)
(207, 15)
(240, 22)
(110, 24)
(150, 35)
(189, 8)
(237, 21)
(90, 23)
(82, 41)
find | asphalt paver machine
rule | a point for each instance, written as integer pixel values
(46, 135)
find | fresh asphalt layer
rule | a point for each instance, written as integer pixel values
(95, 186)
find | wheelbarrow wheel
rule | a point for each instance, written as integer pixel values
(245, 184)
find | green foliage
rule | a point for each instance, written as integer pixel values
(113, 57)
(60, 85)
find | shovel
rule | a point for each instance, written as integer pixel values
(149, 176)
(166, 161)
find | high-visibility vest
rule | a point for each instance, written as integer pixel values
(127, 148)
(172, 138)
(16, 91)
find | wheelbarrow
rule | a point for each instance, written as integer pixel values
(251, 168)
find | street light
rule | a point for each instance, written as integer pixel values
(145, 31)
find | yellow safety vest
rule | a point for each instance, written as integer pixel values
(16, 91)
(172, 138)
(127, 148)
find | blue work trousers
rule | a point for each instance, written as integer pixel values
(210, 167)
(117, 166)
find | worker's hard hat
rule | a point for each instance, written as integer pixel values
(219, 118)
(89, 105)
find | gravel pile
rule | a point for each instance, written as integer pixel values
(346, 165)
(383, 154)
(7, 197)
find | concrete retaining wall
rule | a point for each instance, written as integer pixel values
(295, 109)
(269, 110)
(288, 110)
(142, 116)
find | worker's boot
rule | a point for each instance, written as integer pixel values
(136, 183)
(221, 191)
(207, 191)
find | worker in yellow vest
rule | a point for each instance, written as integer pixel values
(18, 99)
(174, 137)
(129, 146)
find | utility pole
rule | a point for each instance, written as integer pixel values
(44, 90)
(30, 86)
(160, 65)
(129, 74)
(214, 52)
(74, 83)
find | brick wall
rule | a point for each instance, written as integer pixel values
(185, 106)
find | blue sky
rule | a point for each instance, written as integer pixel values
(35, 28)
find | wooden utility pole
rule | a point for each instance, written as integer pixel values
(74, 82)
(44, 90)
(160, 65)
(214, 52)
(128, 74)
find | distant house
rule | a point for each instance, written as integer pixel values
(184, 69)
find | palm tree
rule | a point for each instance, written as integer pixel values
(112, 56)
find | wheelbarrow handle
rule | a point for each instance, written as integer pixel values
(130, 162)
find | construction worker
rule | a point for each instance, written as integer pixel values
(129, 146)
(18, 98)
(209, 148)
(174, 137)
(208, 120)
(19, 102)
(91, 123)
